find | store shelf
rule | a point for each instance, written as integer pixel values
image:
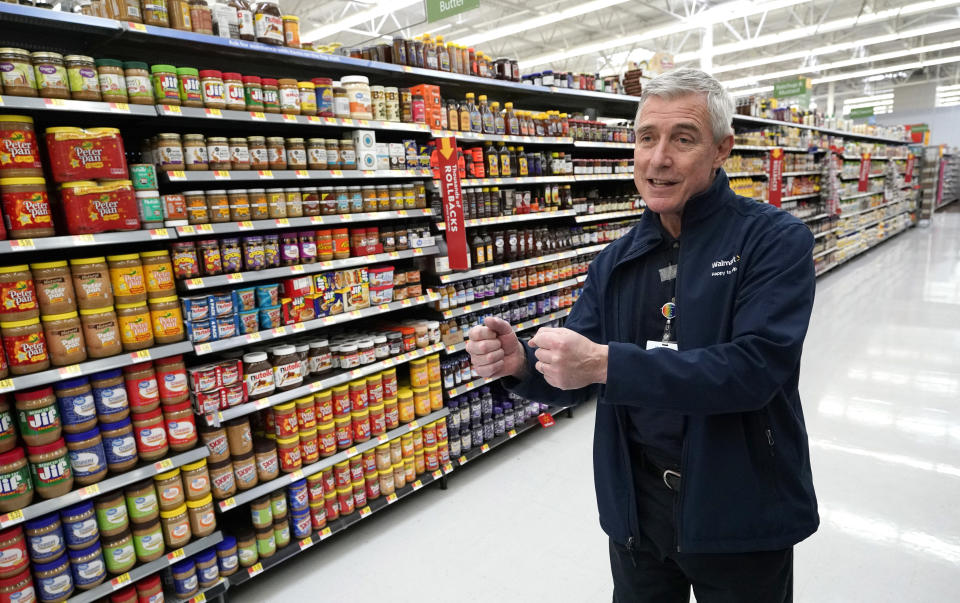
(147, 569)
(824, 252)
(609, 216)
(469, 386)
(108, 485)
(886, 237)
(585, 144)
(205, 594)
(806, 173)
(93, 366)
(859, 195)
(339, 525)
(320, 385)
(602, 177)
(478, 451)
(89, 240)
(195, 284)
(850, 157)
(842, 177)
(520, 180)
(765, 148)
(869, 209)
(239, 341)
(821, 234)
(520, 326)
(747, 120)
(539, 215)
(311, 175)
(459, 276)
(592, 249)
(816, 217)
(283, 118)
(27, 103)
(746, 174)
(254, 226)
(553, 140)
(799, 197)
(499, 301)
(288, 478)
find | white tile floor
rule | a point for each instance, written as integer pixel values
(881, 391)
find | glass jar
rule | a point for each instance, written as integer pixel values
(218, 153)
(357, 88)
(277, 153)
(289, 96)
(348, 154)
(51, 74)
(195, 152)
(82, 77)
(17, 75)
(296, 154)
(113, 86)
(239, 154)
(259, 158)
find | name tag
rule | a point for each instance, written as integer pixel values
(670, 345)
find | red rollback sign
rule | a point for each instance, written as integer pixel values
(775, 176)
(908, 175)
(457, 252)
(864, 183)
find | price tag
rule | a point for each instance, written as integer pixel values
(485, 448)
(356, 314)
(546, 419)
(278, 332)
(164, 465)
(228, 504)
(346, 218)
(6, 385)
(282, 222)
(203, 348)
(437, 474)
(391, 498)
(346, 122)
(140, 356)
(54, 102)
(217, 113)
(186, 230)
(255, 570)
(171, 110)
(404, 303)
(352, 451)
(298, 474)
(22, 244)
(200, 598)
(236, 277)
(365, 512)
(331, 120)
(313, 119)
(176, 556)
(261, 404)
(447, 467)
(417, 485)
(289, 118)
(138, 27)
(316, 220)
(407, 69)
(177, 176)
(265, 174)
(70, 371)
(119, 107)
(306, 543)
(159, 233)
(301, 174)
(462, 460)
(413, 425)
(120, 581)
(11, 518)
(193, 283)
(382, 438)
(221, 175)
(325, 533)
(336, 173)
(258, 116)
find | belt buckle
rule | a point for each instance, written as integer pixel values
(667, 474)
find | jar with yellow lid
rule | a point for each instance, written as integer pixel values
(64, 334)
(136, 328)
(167, 320)
(201, 515)
(101, 332)
(25, 345)
(158, 272)
(196, 479)
(127, 278)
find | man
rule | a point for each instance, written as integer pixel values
(691, 328)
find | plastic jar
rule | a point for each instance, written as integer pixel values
(54, 582)
(202, 519)
(185, 583)
(308, 98)
(101, 332)
(176, 527)
(189, 87)
(148, 540)
(181, 426)
(266, 542)
(239, 436)
(207, 572)
(136, 328)
(149, 590)
(127, 278)
(51, 75)
(166, 320)
(119, 552)
(44, 538)
(111, 510)
(17, 74)
(139, 85)
(289, 96)
(358, 93)
(245, 471)
(119, 445)
(222, 480)
(288, 453)
(212, 89)
(252, 93)
(27, 207)
(113, 86)
(141, 501)
(227, 557)
(218, 156)
(25, 346)
(268, 465)
(234, 91)
(150, 435)
(79, 526)
(247, 547)
(38, 416)
(86, 456)
(13, 553)
(169, 487)
(196, 480)
(271, 95)
(166, 89)
(341, 102)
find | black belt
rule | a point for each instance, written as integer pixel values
(671, 478)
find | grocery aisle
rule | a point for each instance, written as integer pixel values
(880, 385)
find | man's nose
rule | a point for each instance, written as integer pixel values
(661, 155)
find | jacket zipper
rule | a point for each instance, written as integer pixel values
(678, 507)
(770, 440)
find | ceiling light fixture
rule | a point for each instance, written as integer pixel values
(381, 8)
(538, 22)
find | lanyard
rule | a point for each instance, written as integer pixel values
(669, 309)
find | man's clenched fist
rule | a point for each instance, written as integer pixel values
(495, 350)
(568, 360)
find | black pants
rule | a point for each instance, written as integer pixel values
(654, 572)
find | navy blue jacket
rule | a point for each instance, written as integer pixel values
(744, 295)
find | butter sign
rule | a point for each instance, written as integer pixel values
(441, 9)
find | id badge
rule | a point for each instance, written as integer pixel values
(670, 345)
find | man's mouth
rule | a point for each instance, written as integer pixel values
(657, 182)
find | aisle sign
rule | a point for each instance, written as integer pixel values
(908, 175)
(864, 173)
(861, 112)
(456, 236)
(441, 9)
(775, 176)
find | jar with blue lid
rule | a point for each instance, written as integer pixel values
(298, 496)
(110, 396)
(119, 445)
(301, 524)
(45, 541)
(87, 457)
(53, 580)
(79, 525)
(227, 557)
(77, 409)
(508, 418)
(185, 583)
(88, 567)
(499, 423)
(208, 573)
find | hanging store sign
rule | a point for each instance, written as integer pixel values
(441, 9)
(864, 173)
(861, 112)
(450, 192)
(908, 175)
(792, 88)
(775, 176)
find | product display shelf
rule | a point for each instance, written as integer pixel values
(477, 451)
(467, 182)
(746, 120)
(311, 175)
(469, 386)
(206, 282)
(824, 252)
(592, 248)
(239, 341)
(584, 144)
(799, 197)
(499, 301)
(87, 240)
(452, 277)
(108, 485)
(870, 224)
(288, 478)
(93, 366)
(537, 215)
(520, 326)
(27, 103)
(817, 235)
(863, 211)
(630, 213)
(147, 569)
(804, 173)
(200, 230)
(287, 119)
(849, 157)
(886, 237)
(602, 177)
(815, 218)
(859, 195)
(858, 177)
(474, 136)
(207, 594)
(320, 384)
(746, 174)
(338, 525)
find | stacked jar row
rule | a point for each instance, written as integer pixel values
(479, 416)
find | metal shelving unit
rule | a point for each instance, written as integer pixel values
(474, 136)
(584, 144)
(26, 103)
(519, 180)
(453, 277)
(602, 177)
(541, 215)
(499, 301)
(258, 225)
(799, 197)
(268, 175)
(630, 213)
(88, 240)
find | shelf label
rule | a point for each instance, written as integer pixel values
(278, 332)
(22, 244)
(298, 474)
(171, 109)
(159, 233)
(217, 113)
(391, 498)
(512, 433)
(11, 518)
(236, 277)
(288, 118)
(176, 556)
(365, 512)
(255, 570)
(485, 448)
(282, 222)
(306, 543)
(258, 116)
(193, 283)
(203, 348)
(70, 371)
(186, 229)
(140, 356)
(164, 465)
(413, 425)
(313, 119)
(462, 460)
(200, 598)
(546, 419)
(325, 533)
(54, 102)
(89, 491)
(352, 451)
(221, 175)
(6, 385)
(448, 467)
(119, 107)
(382, 438)
(346, 218)
(120, 581)
(228, 504)
(437, 474)
(301, 173)
(336, 173)
(417, 485)
(245, 225)
(265, 174)
(177, 176)
(138, 27)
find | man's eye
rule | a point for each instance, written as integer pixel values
(646, 138)
(684, 140)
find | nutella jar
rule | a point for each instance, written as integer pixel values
(54, 287)
(258, 375)
(287, 369)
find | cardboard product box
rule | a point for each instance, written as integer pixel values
(398, 159)
(298, 309)
(355, 297)
(367, 160)
(430, 94)
(297, 287)
(412, 154)
(327, 303)
(383, 156)
(364, 140)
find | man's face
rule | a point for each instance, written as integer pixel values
(675, 155)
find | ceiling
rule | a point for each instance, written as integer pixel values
(747, 44)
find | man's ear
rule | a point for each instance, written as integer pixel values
(723, 150)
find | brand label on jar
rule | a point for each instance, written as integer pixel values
(195, 155)
(112, 83)
(213, 92)
(26, 210)
(246, 473)
(120, 450)
(234, 94)
(151, 542)
(240, 155)
(269, 27)
(18, 149)
(86, 463)
(152, 438)
(146, 391)
(181, 431)
(199, 485)
(218, 153)
(229, 562)
(123, 554)
(81, 531)
(17, 75)
(49, 76)
(77, 409)
(89, 571)
(139, 86)
(12, 557)
(145, 504)
(171, 154)
(38, 421)
(247, 556)
(218, 445)
(135, 329)
(46, 545)
(17, 296)
(55, 586)
(259, 382)
(210, 574)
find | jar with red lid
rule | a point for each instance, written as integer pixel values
(143, 392)
(181, 426)
(271, 95)
(341, 243)
(151, 435)
(13, 553)
(17, 588)
(234, 91)
(213, 89)
(252, 93)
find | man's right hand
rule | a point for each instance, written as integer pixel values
(495, 350)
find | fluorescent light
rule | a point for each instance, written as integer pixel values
(772, 75)
(822, 50)
(812, 30)
(381, 8)
(749, 91)
(538, 22)
(717, 14)
(891, 68)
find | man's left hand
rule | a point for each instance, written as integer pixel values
(568, 360)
